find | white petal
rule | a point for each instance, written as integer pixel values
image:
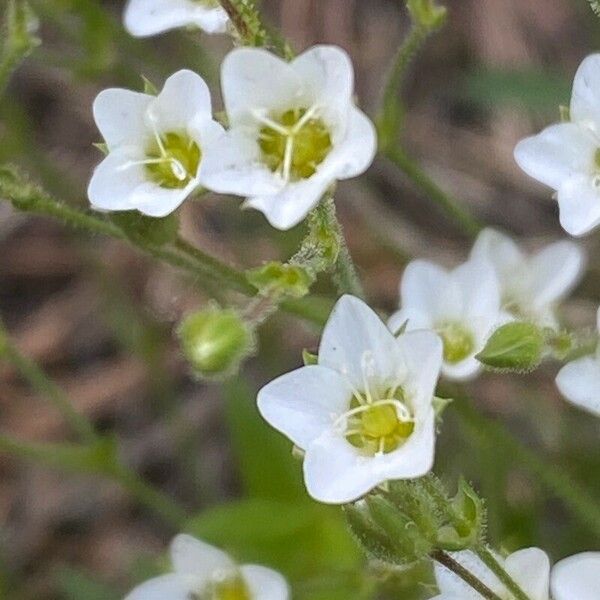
(254, 79)
(354, 335)
(184, 98)
(577, 577)
(114, 182)
(292, 204)
(428, 289)
(555, 271)
(465, 370)
(500, 250)
(190, 556)
(557, 153)
(304, 403)
(579, 204)
(234, 166)
(173, 586)
(265, 584)
(120, 116)
(328, 73)
(451, 584)
(530, 569)
(585, 101)
(412, 317)
(335, 472)
(422, 352)
(149, 17)
(579, 383)
(353, 155)
(480, 291)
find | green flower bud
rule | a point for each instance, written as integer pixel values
(517, 346)
(427, 13)
(285, 279)
(215, 341)
(147, 230)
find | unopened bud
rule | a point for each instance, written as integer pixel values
(516, 346)
(427, 13)
(215, 341)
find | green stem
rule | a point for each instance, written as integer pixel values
(574, 496)
(447, 561)
(247, 22)
(38, 380)
(467, 223)
(346, 276)
(495, 567)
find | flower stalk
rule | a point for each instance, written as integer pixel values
(493, 565)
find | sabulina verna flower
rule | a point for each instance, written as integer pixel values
(202, 571)
(462, 306)
(574, 578)
(579, 380)
(150, 17)
(364, 414)
(531, 286)
(156, 145)
(294, 131)
(566, 156)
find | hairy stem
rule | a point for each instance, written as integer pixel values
(493, 565)
(465, 221)
(447, 561)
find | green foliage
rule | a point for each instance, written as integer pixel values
(516, 346)
(75, 584)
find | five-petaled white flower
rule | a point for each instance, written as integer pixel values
(202, 571)
(579, 380)
(462, 306)
(294, 131)
(531, 286)
(157, 145)
(149, 17)
(574, 578)
(364, 414)
(566, 156)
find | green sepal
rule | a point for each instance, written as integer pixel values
(427, 13)
(309, 358)
(102, 146)
(285, 279)
(149, 87)
(565, 113)
(517, 346)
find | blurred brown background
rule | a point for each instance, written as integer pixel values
(98, 316)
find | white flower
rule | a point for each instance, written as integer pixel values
(202, 571)
(566, 156)
(462, 306)
(149, 17)
(531, 286)
(157, 146)
(294, 131)
(579, 380)
(364, 414)
(574, 578)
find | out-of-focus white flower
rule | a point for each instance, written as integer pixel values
(462, 306)
(574, 578)
(149, 17)
(579, 380)
(566, 156)
(294, 131)
(531, 286)
(202, 571)
(364, 414)
(157, 145)
(529, 568)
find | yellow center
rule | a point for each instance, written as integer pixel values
(173, 160)
(294, 144)
(458, 342)
(228, 586)
(377, 427)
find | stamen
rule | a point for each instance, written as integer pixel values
(270, 123)
(305, 118)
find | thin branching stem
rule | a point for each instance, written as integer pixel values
(443, 558)
(488, 558)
